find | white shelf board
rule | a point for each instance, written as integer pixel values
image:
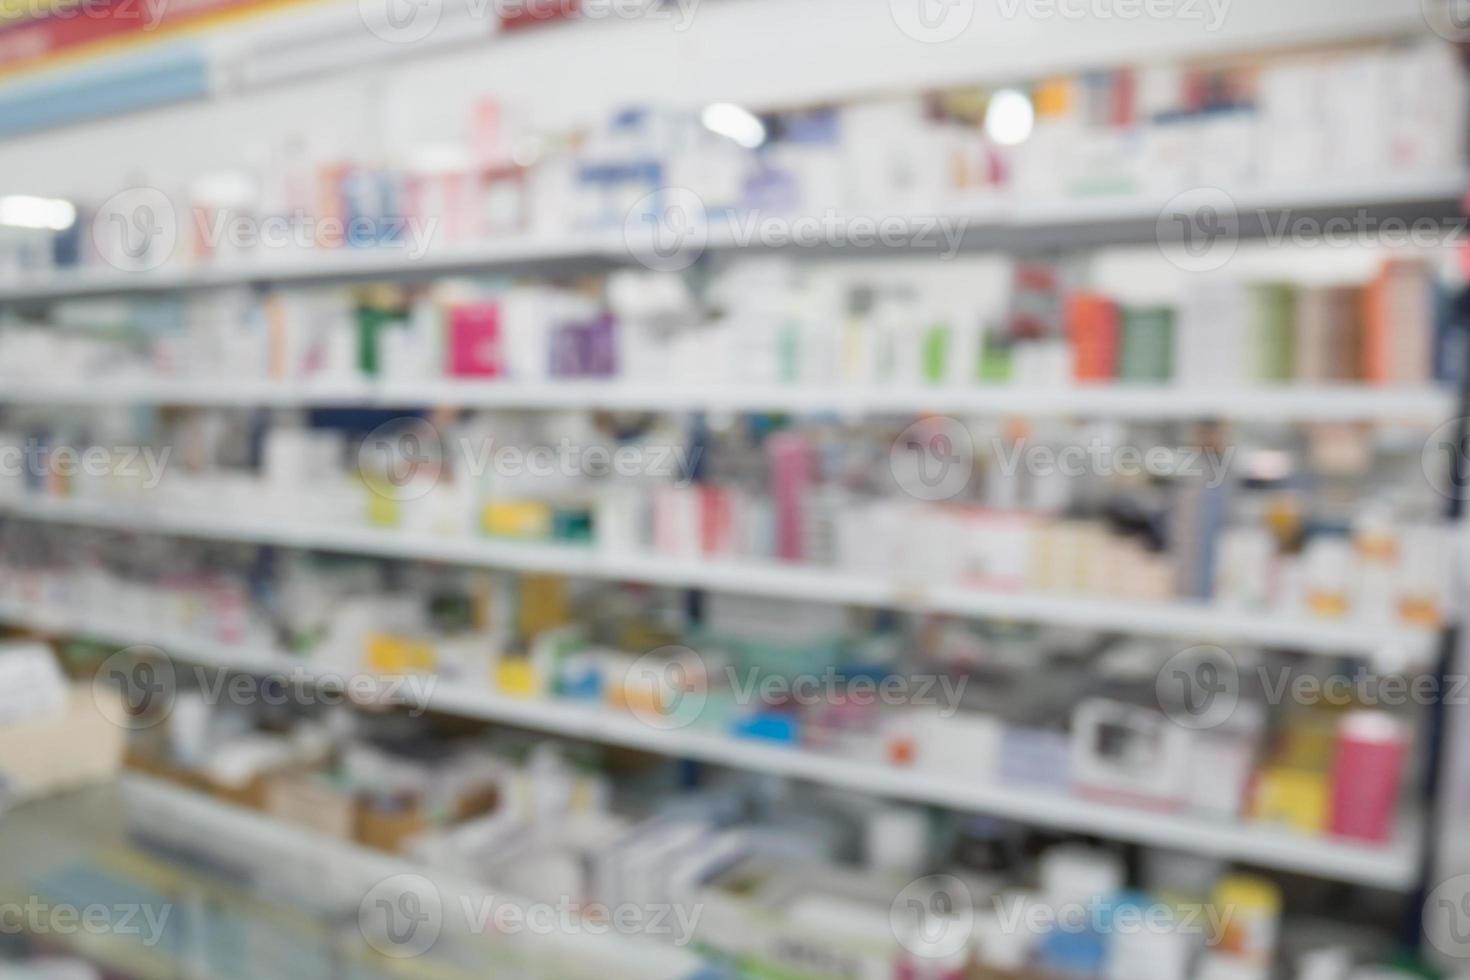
(1182, 619)
(1311, 403)
(1123, 217)
(1287, 402)
(1386, 190)
(1392, 866)
(221, 391)
(324, 265)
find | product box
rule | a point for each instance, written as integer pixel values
(964, 745)
(776, 920)
(312, 801)
(475, 341)
(1129, 753)
(387, 653)
(1222, 763)
(252, 794)
(1295, 798)
(516, 519)
(1039, 758)
(389, 829)
(52, 752)
(1372, 749)
(151, 762)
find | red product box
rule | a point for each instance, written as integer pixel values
(475, 348)
(1367, 771)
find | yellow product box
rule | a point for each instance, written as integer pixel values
(544, 604)
(1308, 741)
(383, 507)
(1420, 611)
(1328, 603)
(516, 677)
(388, 653)
(1299, 799)
(1250, 911)
(1054, 97)
(644, 692)
(516, 519)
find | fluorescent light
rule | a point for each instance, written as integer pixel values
(42, 213)
(1009, 117)
(739, 124)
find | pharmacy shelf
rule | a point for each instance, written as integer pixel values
(1130, 218)
(1290, 402)
(87, 826)
(221, 391)
(1391, 866)
(604, 248)
(195, 822)
(1192, 620)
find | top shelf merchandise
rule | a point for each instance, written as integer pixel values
(1079, 157)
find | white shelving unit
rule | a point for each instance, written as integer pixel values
(1182, 619)
(1015, 224)
(1392, 866)
(1302, 403)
